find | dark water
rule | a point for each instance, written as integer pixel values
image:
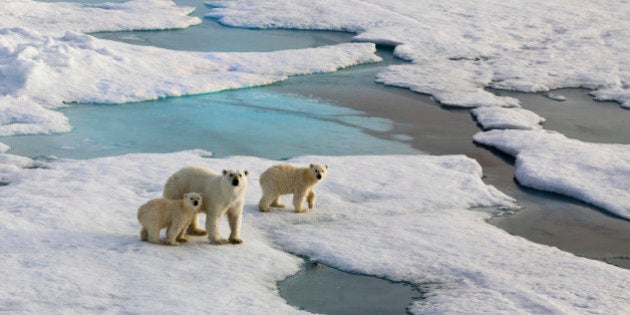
(322, 289)
(579, 116)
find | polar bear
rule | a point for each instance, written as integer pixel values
(286, 179)
(174, 215)
(223, 193)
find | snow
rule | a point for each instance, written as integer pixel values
(41, 71)
(507, 118)
(457, 49)
(59, 17)
(592, 172)
(73, 246)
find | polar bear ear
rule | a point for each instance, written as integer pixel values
(185, 196)
(312, 166)
(224, 172)
(326, 166)
(246, 172)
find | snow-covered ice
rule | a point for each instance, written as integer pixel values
(592, 172)
(60, 17)
(41, 71)
(71, 241)
(458, 48)
(507, 118)
(4, 147)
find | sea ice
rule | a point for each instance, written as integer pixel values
(456, 49)
(43, 68)
(507, 118)
(59, 17)
(592, 172)
(72, 241)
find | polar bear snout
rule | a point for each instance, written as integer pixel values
(236, 178)
(318, 170)
(195, 203)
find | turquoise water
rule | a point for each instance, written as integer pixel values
(242, 122)
(259, 122)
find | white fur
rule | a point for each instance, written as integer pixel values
(287, 179)
(220, 197)
(175, 215)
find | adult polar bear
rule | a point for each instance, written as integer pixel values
(222, 193)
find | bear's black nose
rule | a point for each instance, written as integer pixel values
(235, 182)
(195, 203)
(319, 176)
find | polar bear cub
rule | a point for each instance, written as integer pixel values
(223, 194)
(174, 215)
(284, 179)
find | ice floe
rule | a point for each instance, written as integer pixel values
(457, 49)
(43, 68)
(507, 118)
(59, 17)
(596, 173)
(72, 244)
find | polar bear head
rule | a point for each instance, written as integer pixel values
(235, 178)
(318, 170)
(193, 199)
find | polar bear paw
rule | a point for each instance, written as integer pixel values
(220, 241)
(236, 241)
(196, 232)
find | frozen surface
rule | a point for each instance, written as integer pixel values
(592, 172)
(507, 118)
(59, 17)
(72, 243)
(44, 67)
(457, 48)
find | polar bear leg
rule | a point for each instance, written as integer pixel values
(265, 201)
(173, 231)
(298, 200)
(310, 198)
(144, 235)
(276, 203)
(194, 229)
(153, 235)
(235, 219)
(212, 226)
